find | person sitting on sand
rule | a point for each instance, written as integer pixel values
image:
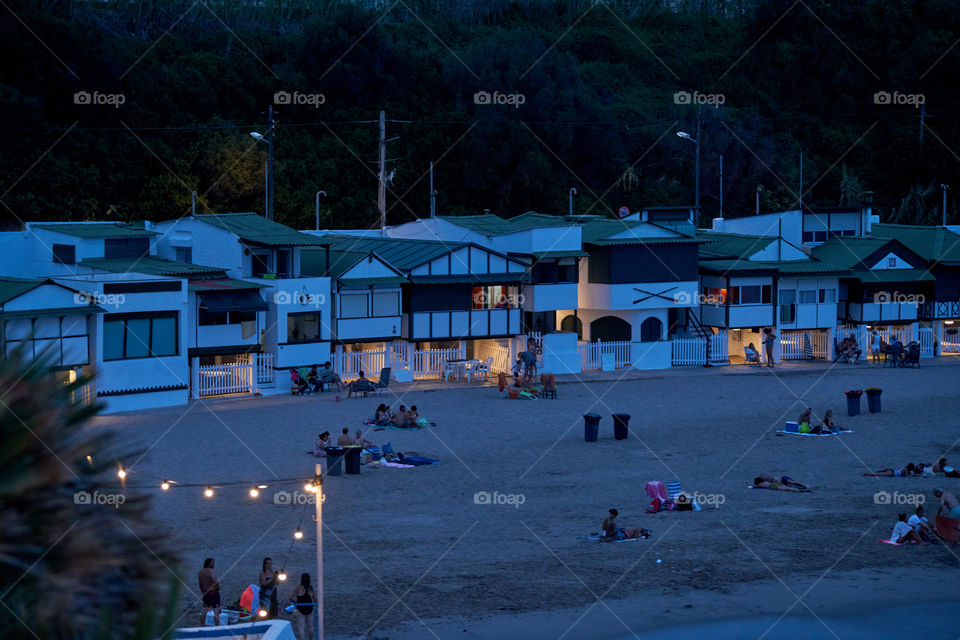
(922, 526)
(345, 440)
(612, 532)
(949, 507)
(382, 416)
(361, 440)
(827, 426)
(327, 375)
(803, 422)
(412, 416)
(907, 472)
(400, 417)
(942, 467)
(322, 442)
(609, 524)
(903, 532)
(768, 482)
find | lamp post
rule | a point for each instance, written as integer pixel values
(696, 186)
(944, 187)
(268, 139)
(324, 194)
(318, 500)
(573, 192)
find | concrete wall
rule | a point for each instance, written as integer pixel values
(550, 297)
(561, 353)
(635, 318)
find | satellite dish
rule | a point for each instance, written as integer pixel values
(623, 212)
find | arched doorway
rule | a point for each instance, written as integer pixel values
(651, 330)
(610, 329)
(572, 323)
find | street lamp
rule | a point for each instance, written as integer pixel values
(696, 187)
(268, 140)
(324, 194)
(573, 192)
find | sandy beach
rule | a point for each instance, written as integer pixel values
(409, 553)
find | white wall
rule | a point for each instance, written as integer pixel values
(542, 239)
(550, 297)
(211, 246)
(593, 295)
(635, 318)
(766, 224)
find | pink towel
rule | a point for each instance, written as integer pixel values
(656, 489)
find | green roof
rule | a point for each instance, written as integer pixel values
(224, 284)
(363, 282)
(784, 267)
(540, 255)
(152, 266)
(894, 275)
(847, 252)
(97, 230)
(732, 245)
(598, 232)
(934, 244)
(11, 288)
(490, 225)
(255, 229)
(399, 253)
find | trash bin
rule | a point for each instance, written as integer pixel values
(853, 402)
(591, 427)
(873, 399)
(334, 460)
(351, 459)
(621, 422)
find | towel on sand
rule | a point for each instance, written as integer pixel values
(797, 433)
(596, 537)
(896, 544)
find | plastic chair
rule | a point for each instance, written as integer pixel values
(549, 386)
(448, 370)
(484, 368)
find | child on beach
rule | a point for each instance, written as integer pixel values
(903, 532)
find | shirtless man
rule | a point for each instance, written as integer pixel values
(210, 592)
(949, 507)
(611, 532)
(345, 440)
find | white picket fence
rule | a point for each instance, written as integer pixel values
(950, 343)
(500, 355)
(349, 365)
(429, 363)
(591, 352)
(793, 345)
(692, 352)
(926, 340)
(220, 379)
(265, 371)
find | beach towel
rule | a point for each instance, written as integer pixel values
(896, 544)
(797, 433)
(417, 460)
(381, 464)
(596, 537)
(947, 528)
(381, 427)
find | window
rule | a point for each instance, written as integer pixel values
(353, 305)
(207, 318)
(63, 341)
(753, 294)
(284, 263)
(64, 254)
(808, 296)
(184, 254)
(140, 336)
(386, 303)
(714, 296)
(828, 296)
(259, 264)
(651, 330)
(302, 327)
(495, 297)
(126, 247)
(892, 262)
(808, 236)
(788, 305)
(567, 270)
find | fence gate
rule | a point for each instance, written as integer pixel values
(221, 379)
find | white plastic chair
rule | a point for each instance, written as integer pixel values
(448, 370)
(484, 368)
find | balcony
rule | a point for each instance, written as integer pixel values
(225, 335)
(550, 297)
(940, 309)
(456, 325)
(883, 312)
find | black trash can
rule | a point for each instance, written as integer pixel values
(334, 460)
(853, 402)
(873, 400)
(352, 459)
(591, 427)
(621, 423)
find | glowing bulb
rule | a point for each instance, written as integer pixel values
(254, 493)
(282, 576)
(90, 460)
(308, 487)
(165, 485)
(121, 473)
(262, 613)
(298, 534)
(262, 486)
(208, 492)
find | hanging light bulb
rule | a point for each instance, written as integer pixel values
(309, 488)
(208, 492)
(254, 492)
(121, 473)
(262, 486)
(165, 485)
(262, 613)
(298, 534)
(282, 576)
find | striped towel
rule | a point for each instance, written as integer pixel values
(674, 489)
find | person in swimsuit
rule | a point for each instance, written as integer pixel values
(768, 339)
(828, 425)
(769, 482)
(611, 532)
(209, 592)
(906, 472)
(305, 598)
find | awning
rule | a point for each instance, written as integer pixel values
(894, 275)
(224, 301)
(224, 284)
(55, 311)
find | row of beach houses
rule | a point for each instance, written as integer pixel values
(159, 313)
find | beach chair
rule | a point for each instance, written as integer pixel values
(549, 386)
(751, 359)
(364, 386)
(384, 383)
(449, 370)
(674, 488)
(298, 383)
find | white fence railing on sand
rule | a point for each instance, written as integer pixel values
(221, 379)
(591, 352)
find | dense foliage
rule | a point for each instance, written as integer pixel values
(598, 82)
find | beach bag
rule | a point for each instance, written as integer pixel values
(804, 427)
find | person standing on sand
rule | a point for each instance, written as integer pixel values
(268, 587)
(949, 507)
(209, 592)
(768, 337)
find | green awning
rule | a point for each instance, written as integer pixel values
(541, 255)
(224, 301)
(227, 284)
(55, 311)
(366, 282)
(894, 275)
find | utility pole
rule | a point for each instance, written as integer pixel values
(944, 187)
(382, 190)
(193, 198)
(721, 185)
(800, 194)
(324, 194)
(696, 197)
(270, 169)
(433, 194)
(572, 192)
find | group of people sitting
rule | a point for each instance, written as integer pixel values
(323, 442)
(316, 378)
(805, 423)
(402, 418)
(848, 350)
(612, 531)
(919, 530)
